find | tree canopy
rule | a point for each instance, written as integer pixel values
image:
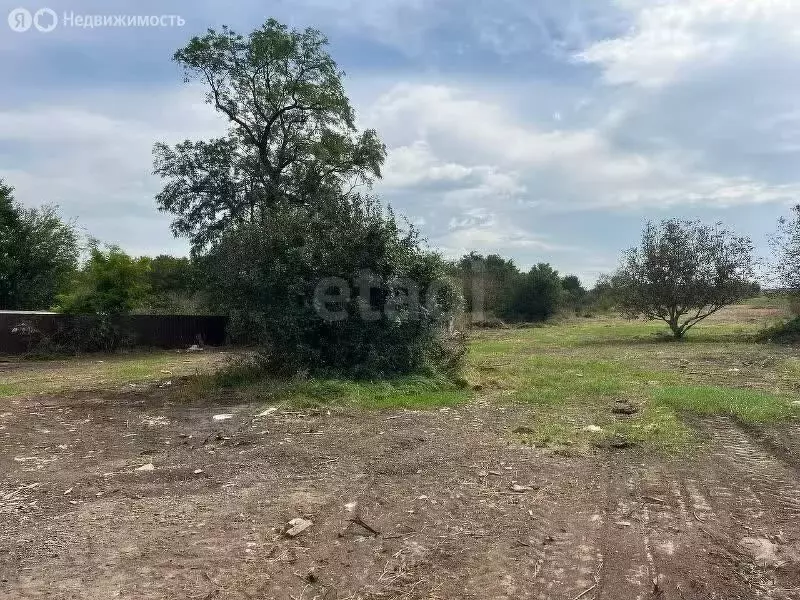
(786, 244)
(683, 272)
(292, 137)
(110, 283)
(38, 254)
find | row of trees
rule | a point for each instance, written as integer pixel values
(494, 287)
(43, 265)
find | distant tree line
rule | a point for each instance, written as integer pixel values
(44, 266)
(494, 288)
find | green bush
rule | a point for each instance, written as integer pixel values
(784, 333)
(276, 280)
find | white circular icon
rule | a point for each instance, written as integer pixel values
(20, 20)
(45, 20)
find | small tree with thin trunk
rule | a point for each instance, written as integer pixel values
(682, 272)
(786, 245)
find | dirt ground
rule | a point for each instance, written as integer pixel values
(404, 504)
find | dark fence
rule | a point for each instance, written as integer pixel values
(19, 331)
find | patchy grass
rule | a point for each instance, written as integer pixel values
(572, 374)
(566, 379)
(92, 372)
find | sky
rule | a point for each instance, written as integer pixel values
(545, 131)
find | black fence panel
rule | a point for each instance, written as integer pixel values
(20, 330)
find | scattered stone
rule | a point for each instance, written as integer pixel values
(762, 550)
(222, 417)
(623, 408)
(198, 471)
(147, 467)
(351, 506)
(297, 526)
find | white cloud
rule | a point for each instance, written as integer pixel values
(556, 168)
(96, 162)
(675, 39)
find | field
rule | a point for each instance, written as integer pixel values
(586, 459)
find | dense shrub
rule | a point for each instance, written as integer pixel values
(279, 282)
(783, 333)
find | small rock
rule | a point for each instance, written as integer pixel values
(620, 443)
(222, 417)
(623, 408)
(297, 526)
(198, 471)
(351, 506)
(267, 412)
(796, 403)
(147, 467)
(519, 488)
(593, 429)
(194, 348)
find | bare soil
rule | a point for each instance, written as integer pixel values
(404, 504)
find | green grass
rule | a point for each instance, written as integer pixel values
(8, 390)
(406, 392)
(413, 392)
(746, 405)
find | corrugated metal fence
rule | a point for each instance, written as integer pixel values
(19, 330)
